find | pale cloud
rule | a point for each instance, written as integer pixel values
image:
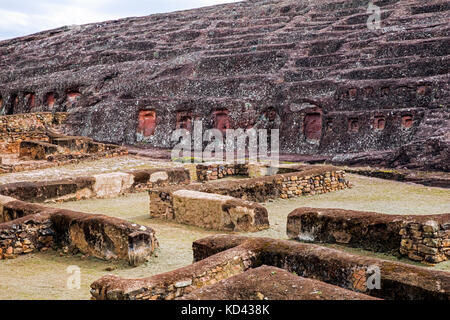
(23, 17)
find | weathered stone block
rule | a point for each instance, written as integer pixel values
(213, 211)
(104, 237)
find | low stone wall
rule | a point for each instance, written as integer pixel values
(44, 190)
(398, 281)
(270, 283)
(426, 240)
(99, 186)
(66, 148)
(26, 235)
(310, 181)
(214, 171)
(174, 284)
(41, 228)
(210, 211)
(421, 238)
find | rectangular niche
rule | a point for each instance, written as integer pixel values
(221, 120)
(30, 99)
(184, 120)
(353, 125)
(313, 126)
(50, 99)
(380, 123)
(407, 121)
(13, 104)
(147, 123)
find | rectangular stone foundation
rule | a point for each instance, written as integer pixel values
(210, 211)
(270, 283)
(419, 237)
(234, 255)
(308, 181)
(399, 281)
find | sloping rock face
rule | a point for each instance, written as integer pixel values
(313, 69)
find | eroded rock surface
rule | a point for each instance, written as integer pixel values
(313, 69)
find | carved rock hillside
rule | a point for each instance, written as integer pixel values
(311, 68)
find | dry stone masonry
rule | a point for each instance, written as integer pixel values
(41, 228)
(21, 127)
(230, 205)
(308, 180)
(32, 141)
(207, 172)
(426, 240)
(270, 283)
(224, 256)
(337, 91)
(419, 237)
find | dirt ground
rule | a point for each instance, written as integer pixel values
(44, 276)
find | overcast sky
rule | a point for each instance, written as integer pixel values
(23, 17)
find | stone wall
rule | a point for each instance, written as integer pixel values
(419, 237)
(26, 235)
(213, 171)
(270, 283)
(309, 181)
(210, 211)
(426, 240)
(174, 284)
(36, 150)
(31, 126)
(64, 148)
(398, 281)
(40, 228)
(98, 186)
